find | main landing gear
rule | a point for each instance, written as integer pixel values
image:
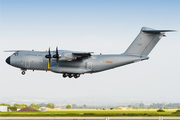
(70, 75)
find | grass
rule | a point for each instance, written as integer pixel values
(89, 113)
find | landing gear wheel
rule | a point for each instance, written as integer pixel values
(23, 72)
(65, 75)
(70, 75)
(76, 75)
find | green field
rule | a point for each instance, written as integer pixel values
(89, 113)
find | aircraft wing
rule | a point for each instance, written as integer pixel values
(16, 50)
(70, 56)
(81, 55)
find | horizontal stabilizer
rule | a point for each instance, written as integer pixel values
(157, 31)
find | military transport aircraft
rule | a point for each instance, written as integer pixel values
(73, 64)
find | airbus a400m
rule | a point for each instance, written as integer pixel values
(73, 64)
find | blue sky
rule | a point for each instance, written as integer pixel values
(101, 26)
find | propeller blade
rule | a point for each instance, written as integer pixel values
(49, 62)
(49, 52)
(57, 61)
(57, 56)
(57, 50)
(49, 58)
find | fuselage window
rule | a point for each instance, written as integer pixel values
(15, 54)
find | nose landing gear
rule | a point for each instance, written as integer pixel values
(23, 72)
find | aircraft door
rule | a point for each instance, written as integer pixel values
(27, 64)
(89, 66)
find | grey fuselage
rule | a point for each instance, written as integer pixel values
(33, 60)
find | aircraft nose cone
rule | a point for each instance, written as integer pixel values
(8, 60)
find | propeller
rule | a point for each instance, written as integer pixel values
(56, 56)
(49, 56)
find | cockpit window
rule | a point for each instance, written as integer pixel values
(15, 54)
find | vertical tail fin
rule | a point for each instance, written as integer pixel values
(145, 41)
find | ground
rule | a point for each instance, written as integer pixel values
(89, 113)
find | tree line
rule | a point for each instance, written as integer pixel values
(36, 106)
(134, 107)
